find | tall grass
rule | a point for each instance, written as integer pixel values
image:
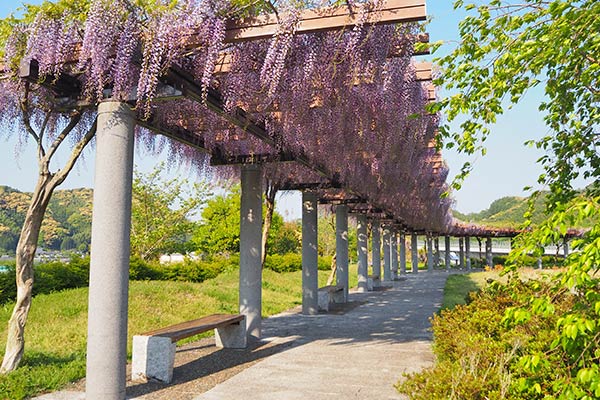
(57, 327)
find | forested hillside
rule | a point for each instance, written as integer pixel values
(66, 226)
(506, 211)
(68, 220)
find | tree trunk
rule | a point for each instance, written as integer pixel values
(30, 233)
(15, 342)
(271, 191)
(333, 270)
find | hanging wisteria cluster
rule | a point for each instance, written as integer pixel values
(347, 100)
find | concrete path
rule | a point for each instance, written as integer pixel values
(358, 354)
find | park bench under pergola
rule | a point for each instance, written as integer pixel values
(419, 209)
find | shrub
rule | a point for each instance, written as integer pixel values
(198, 270)
(8, 286)
(325, 263)
(491, 348)
(48, 277)
(55, 276)
(289, 262)
(530, 261)
(140, 270)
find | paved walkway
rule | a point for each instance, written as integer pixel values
(360, 354)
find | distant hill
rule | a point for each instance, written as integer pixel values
(67, 225)
(506, 211)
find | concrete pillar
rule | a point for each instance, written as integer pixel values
(376, 249)
(109, 264)
(310, 260)
(387, 254)
(341, 247)
(414, 250)
(539, 262)
(468, 252)
(447, 252)
(488, 252)
(394, 253)
(402, 253)
(429, 254)
(461, 252)
(363, 268)
(436, 254)
(565, 247)
(250, 249)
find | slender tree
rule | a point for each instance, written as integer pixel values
(47, 182)
(162, 210)
(271, 189)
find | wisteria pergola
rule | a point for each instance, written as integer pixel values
(327, 100)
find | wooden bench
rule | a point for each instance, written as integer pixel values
(154, 351)
(330, 295)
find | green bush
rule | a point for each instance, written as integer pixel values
(55, 276)
(477, 262)
(140, 270)
(8, 286)
(491, 348)
(531, 261)
(48, 277)
(198, 270)
(284, 263)
(325, 263)
(291, 262)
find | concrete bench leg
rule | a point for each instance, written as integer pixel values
(232, 336)
(152, 358)
(323, 300)
(376, 282)
(338, 297)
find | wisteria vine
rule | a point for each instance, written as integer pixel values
(347, 100)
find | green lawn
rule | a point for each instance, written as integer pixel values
(459, 286)
(57, 327)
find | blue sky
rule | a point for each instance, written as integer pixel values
(507, 168)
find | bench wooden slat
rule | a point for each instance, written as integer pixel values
(190, 328)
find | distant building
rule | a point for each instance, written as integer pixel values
(176, 258)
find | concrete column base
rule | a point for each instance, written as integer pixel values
(232, 336)
(152, 358)
(330, 295)
(369, 284)
(323, 298)
(376, 282)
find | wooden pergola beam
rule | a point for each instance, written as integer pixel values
(423, 70)
(326, 19)
(346, 201)
(63, 86)
(318, 20)
(181, 135)
(431, 94)
(241, 159)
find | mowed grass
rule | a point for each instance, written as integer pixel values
(57, 327)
